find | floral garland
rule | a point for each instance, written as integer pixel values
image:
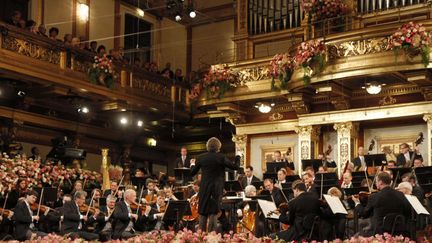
(324, 9)
(310, 54)
(412, 38)
(281, 66)
(37, 174)
(216, 82)
(212, 237)
(102, 71)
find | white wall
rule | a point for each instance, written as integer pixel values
(58, 13)
(398, 133)
(102, 22)
(257, 143)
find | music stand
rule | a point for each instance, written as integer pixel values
(373, 160)
(232, 186)
(314, 163)
(354, 190)
(291, 178)
(423, 170)
(258, 184)
(176, 210)
(270, 175)
(398, 172)
(139, 182)
(275, 166)
(49, 196)
(286, 185)
(427, 188)
(183, 175)
(102, 201)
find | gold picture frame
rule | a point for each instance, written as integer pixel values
(267, 152)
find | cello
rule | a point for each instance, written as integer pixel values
(194, 209)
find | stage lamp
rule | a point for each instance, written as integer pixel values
(84, 110)
(192, 14)
(83, 12)
(123, 120)
(140, 12)
(178, 17)
(264, 107)
(373, 87)
(140, 123)
(151, 142)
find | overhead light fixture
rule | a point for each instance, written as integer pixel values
(373, 87)
(123, 120)
(140, 12)
(123, 109)
(192, 14)
(178, 17)
(151, 142)
(264, 107)
(140, 123)
(21, 93)
(83, 12)
(84, 110)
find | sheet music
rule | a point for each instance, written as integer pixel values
(335, 204)
(267, 207)
(415, 203)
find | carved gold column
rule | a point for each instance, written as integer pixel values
(240, 147)
(306, 136)
(428, 119)
(104, 170)
(344, 133)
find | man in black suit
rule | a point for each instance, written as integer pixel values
(300, 215)
(104, 220)
(407, 156)
(125, 218)
(73, 219)
(359, 161)
(212, 164)
(184, 159)
(112, 190)
(249, 177)
(386, 202)
(311, 187)
(24, 218)
(55, 217)
(275, 192)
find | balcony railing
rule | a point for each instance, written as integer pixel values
(54, 55)
(369, 6)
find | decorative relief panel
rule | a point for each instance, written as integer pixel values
(253, 74)
(357, 48)
(152, 87)
(31, 50)
(240, 146)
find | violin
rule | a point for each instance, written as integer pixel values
(142, 207)
(43, 208)
(86, 208)
(6, 212)
(150, 198)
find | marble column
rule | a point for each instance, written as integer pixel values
(306, 135)
(428, 118)
(344, 134)
(240, 147)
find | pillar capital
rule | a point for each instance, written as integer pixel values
(428, 118)
(240, 141)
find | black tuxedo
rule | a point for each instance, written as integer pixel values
(385, 202)
(357, 162)
(329, 164)
(180, 163)
(72, 220)
(23, 219)
(121, 221)
(277, 196)
(401, 161)
(213, 166)
(243, 181)
(300, 215)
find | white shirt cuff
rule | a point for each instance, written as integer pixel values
(81, 216)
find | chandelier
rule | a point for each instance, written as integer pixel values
(178, 8)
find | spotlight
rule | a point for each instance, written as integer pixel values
(21, 93)
(123, 120)
(83, 12)
(140, 12)
(192, 14)
(178, 17)
(151, 142)
(264, 107)
(84, 110)
(140, 123)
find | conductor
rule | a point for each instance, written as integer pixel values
(212, 165)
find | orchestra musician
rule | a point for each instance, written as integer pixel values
(278, 157)
(169, 195)
(405, 187)
(391, 164)
(149, 194)
(308, 180)
(300, 214)
(249, 177)
(96, 194)
(418, 162)
(416, 189)
(195, 189)
(18, 192)
(24, 218)
(124, 218)
(184, 159)
(212, 164)
(113, 188)
(275, 192)
(347, 180)
(74, 220)
(55, 217)
(281, 178)
(78, 186)
(328, 162)
(406, 156)
(104, 220)
(386, 201)
(157, 212)
(359, 161)
(332, 224)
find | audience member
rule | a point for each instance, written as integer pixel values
(42, 30)
(53, 33)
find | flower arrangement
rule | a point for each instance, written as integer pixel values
(38, 175)
(324, 9)
(281, 66)
(115, 172)
(413, 38)
(216, 82)
(310, 54)
(102, 71)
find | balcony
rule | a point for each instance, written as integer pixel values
(45, 62)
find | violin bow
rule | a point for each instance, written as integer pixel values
(118, 187)
(139, 199)
(91, 202)
(4, 204)
(40, 201)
